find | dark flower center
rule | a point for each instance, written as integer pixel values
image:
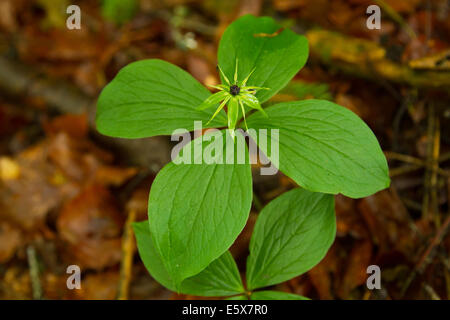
(234, 90)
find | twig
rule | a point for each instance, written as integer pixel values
(34, 273)
(405, 104)
(428, 255)
(413, 160)
(126, 264)
(416, 162)
(396, 17)
(404, 158)
(429, 163)
(431, 292)
(446, 263)
(412, 204)
(402, 170)
(434, 172)
(367, 60)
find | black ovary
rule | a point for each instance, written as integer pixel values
(234, 90)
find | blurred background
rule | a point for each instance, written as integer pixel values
(68, 195)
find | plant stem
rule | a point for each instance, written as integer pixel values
(126, 264)
(34, 273)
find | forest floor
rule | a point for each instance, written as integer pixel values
(68, 195)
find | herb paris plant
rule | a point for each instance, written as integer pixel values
(291, 235)
(323, 147)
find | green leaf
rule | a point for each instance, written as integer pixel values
(275, 295)
(220, 278)
(276, 58)
(324, 147)
(149, 98)
(292, 234)
(196, 211)
(150, 257)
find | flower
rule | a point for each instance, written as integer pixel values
(234, 95)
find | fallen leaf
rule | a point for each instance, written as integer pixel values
(10, 240)
(100, 286)
(91, 226)
(355, 268)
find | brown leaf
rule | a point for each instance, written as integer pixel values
(114, 176)
(321, 275)
(356, 265)
(285, 5)
(100, 286)
(10, 240)
(91, 225)
(27, 199)
(138, 201)
(8, 11)
(94, 253)
(59, 44)
(76, 126)
(388, 222)
(348, 218)
(15, 284)
(240, 247)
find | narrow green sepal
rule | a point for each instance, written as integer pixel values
(224, 102)
(219, 87)
(244, 82)
(212, 100)
(223, 75)
(243, 114)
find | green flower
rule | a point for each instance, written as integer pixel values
(234, 95)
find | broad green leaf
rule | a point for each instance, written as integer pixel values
(149, 98)
(150, 257)
(323, 147)
(220, 278)
(292, 234)
(260, 44)
(275, 295)
(196, 211)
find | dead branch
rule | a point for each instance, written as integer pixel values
(428, 255)
(19, 80)
(366, 59)
(126, 264)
